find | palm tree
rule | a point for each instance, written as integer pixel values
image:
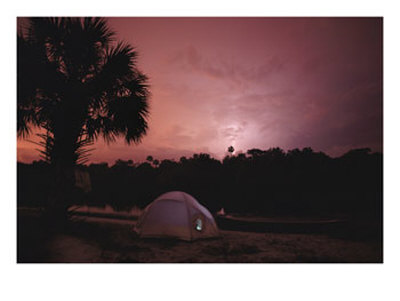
(78, 84)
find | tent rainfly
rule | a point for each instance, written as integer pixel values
(176, 214)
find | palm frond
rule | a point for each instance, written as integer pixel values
(25, 120)
(46, 144)
(99, 31)
(128, 112)
(118, 67)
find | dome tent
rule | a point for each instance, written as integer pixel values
(176, 214)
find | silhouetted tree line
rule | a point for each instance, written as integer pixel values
(268, 182)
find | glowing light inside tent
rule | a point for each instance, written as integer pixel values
(199, 224)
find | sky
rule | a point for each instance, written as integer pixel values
(252, 83)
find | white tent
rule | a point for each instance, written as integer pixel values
(176, 214)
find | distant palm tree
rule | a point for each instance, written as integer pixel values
(78, 84)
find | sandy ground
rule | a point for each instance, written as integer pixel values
(103, 242)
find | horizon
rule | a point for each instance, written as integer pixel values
(234, 154)
(251, 83)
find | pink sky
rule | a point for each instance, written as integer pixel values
(253, 83)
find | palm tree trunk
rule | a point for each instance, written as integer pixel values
(63, 156)
(63, 163)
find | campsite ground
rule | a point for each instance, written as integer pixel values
(102, 240)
